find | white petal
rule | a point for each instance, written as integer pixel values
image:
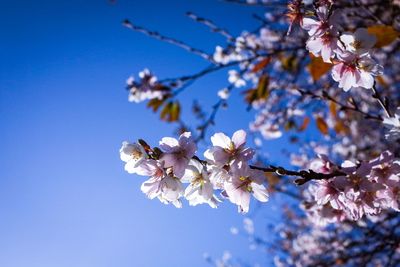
(260, 192)
(168, 144)
(221, 140)
(239, 138)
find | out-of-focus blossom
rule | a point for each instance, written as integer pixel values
(236, 79)
(146, 89)
(224, 93)
(321, 164)
(393, 123)
(248, 225)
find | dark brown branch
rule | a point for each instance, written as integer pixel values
(304, 175)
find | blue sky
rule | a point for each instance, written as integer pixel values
(65, 199)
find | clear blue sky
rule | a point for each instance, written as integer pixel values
(65, 200)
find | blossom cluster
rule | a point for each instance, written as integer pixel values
(365, 188)
(349, 52)
(146, 89)
(174, 163)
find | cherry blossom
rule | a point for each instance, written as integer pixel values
(147, 88)
(133, 154)
(200, 189)
(343, 172)
(167, 188)
(226, 150)
(235, 79)
(355, 71)
(177, 153)
(359, 42)
(323, 33)
(245, 182)
(325, 23)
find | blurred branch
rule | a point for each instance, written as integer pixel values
(166, 39)
(211, 25)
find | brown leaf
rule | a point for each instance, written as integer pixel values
(155, 104)
(340, 128)
(381, 81)
(259, 93)
(290, 63)
(385, 34)
(333, 109)
(322, 125)
(304, 125)
(171, 112)
(262, 87)
(317, 67)
(261, 64)
(290, 124)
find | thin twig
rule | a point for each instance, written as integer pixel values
(384, 104)
(211, 25)
(170, 40)
(342, 106)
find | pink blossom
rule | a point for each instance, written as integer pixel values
(200, 189)
(226, 150)
(359, 42)
(329, 192)
(355, 71)
(322, 164)
(168, 189)
(177, 153)
(391, 194)
(323, 33)
(245, 182)
(133, 154)
(324, 23)
(325, 45)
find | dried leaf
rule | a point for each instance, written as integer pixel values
(385, 34)
(333, 110)
(290, 124)
(261, 64)
(289, 63)
(322, 125)
(175, 112)
(381, 81)
(259, 93)
(340, 128)
(304, 125)
(171, 112)
(155, 104)
(317, 67)
(262, 87)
